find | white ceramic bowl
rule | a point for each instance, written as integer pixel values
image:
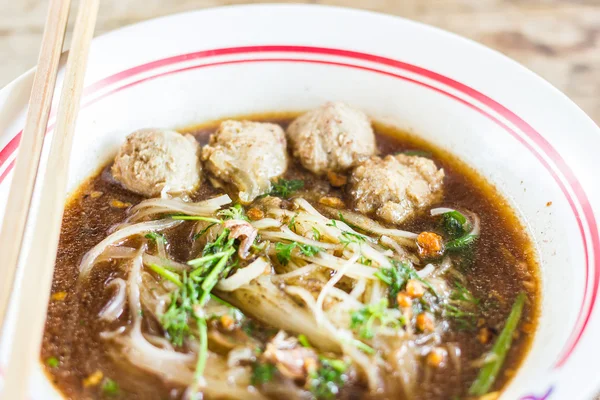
(527, 138)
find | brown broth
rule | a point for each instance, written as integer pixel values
(503, 258)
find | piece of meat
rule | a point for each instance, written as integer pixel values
(153, 160)
(333, 137)
(246, 155)
(242, 229)
(395, 187)
(291, 359)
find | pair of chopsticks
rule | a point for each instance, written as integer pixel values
(37, 265)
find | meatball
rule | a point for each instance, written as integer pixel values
(246, 155)
(153, 160)
(333, 137)
(395, 187)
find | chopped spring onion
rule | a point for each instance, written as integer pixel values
(487, 374)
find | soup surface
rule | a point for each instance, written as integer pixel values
(426, 321)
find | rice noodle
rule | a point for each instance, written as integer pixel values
(165, 262)
(245, 275)
(287, 234)
(307, 269)
(177, 206)
(332, 282)
(440, 210)
(444, 266)
(137, 229)
(425, 272)
(112, 334)
(369, 225)
(332, 262)
(115, 306)
(266, 223)
(359, 289)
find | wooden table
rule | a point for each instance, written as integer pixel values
(558, 39)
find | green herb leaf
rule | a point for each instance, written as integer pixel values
(52, 362)
(454, 224)
(156, 236)
(262, 373)
(308, 250)
(461, 242)
(284, 251)
(284, 188)
(365, 318)
(233, 212)
(292, 224)
(110, 387)
(316, 234)
(326, 381)
(397, 276)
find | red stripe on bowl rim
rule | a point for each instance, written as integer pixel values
(545, 147)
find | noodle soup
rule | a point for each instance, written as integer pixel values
(312, 256)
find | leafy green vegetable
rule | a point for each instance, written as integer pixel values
(284, 188)
(455, 224)
(462, 293)
(461, 243)
(327, 380)
(465, 313)
(110, 387)
(365, 318)
(350, 237)
(52, 362)
(292, 224)
(262, 373)
(316, 234)
(397, 276)
(194, 291)
(465, 320)
(234, 212)
(156, 236)
(487, 375)
(284, 251)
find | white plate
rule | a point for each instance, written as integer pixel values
(527, 138)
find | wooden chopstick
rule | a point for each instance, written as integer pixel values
(30, 149)
(38, 265)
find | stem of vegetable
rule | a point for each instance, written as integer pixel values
(165, 273)
(199, 261)
(196, 218)
(487, 374)
(203, 350)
